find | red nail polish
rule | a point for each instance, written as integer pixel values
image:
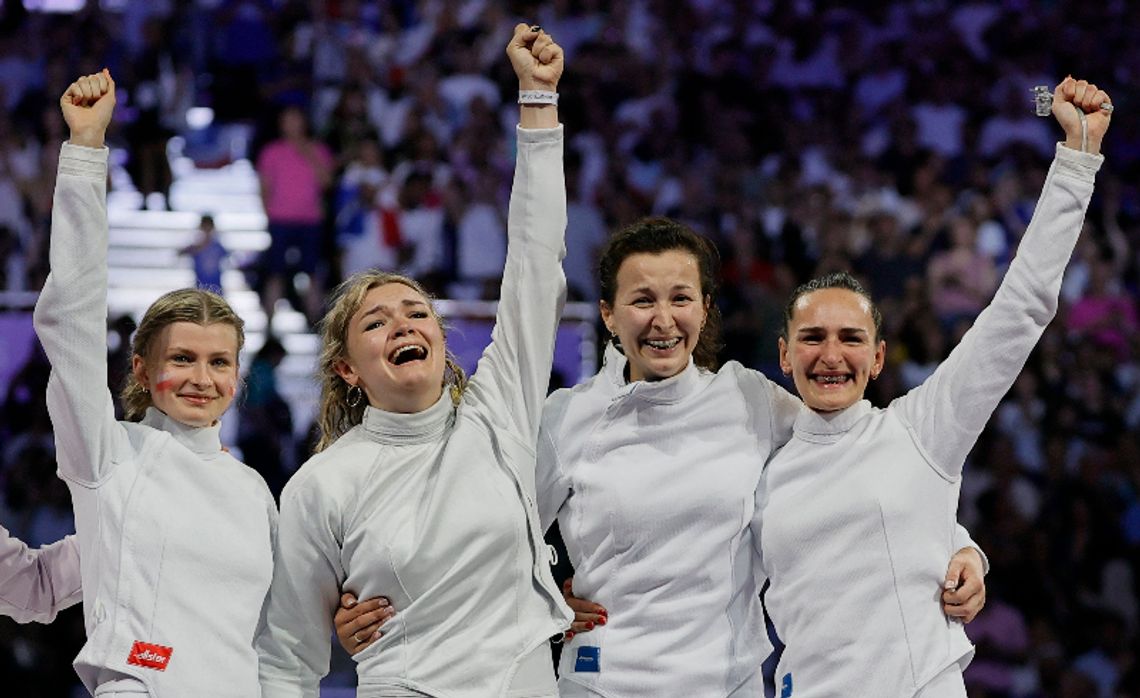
(568, 636)
(602, 620)
(589, 625)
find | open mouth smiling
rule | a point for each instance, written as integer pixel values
(408, 353)
(662, 344)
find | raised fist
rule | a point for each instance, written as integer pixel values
(1089, 99)
(87, 105)
(537, 60)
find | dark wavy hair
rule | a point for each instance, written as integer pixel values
(655, 236)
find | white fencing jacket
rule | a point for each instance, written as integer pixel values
(175, 535)
(653, 485)
(860, 505)
(436, 509)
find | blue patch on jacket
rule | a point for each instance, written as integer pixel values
(589, 659)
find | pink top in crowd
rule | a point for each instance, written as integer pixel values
(294, 188)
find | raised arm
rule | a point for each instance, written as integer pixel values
(514, 372)
(71, 312)
(37, 584)
(949, 410)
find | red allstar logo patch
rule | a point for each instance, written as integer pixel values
(150, 656)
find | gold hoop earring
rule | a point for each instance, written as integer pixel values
(353, 399)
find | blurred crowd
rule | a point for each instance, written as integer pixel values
(894, 139)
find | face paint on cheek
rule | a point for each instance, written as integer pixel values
(165, 382)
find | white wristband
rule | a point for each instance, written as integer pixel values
(538, 97)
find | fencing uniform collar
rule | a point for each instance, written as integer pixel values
(828, 427)
(672, 389)
(418, 427)
(204, 441)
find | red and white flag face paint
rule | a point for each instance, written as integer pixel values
(165, 382)
(150, 656)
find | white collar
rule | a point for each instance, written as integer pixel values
(204, 441)
(418, 427)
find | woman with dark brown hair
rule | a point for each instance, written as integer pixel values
(860, 503)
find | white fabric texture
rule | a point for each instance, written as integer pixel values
(653, 485)
(37, 584)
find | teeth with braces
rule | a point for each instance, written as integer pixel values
(831, 379)
(663, 343)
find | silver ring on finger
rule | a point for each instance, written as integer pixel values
(1106, 107)
(358, 640)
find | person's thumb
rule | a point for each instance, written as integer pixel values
(953, 575)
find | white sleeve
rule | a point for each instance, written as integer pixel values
(783, 407)
(71, 318)
(293, 643)
(947, 412)
(756, 528)
(771, 409)
(774, 409)
(514, 372)
(552, 487)
(36, 584)
(962, 539)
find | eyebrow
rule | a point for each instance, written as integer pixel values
(842, 330)
(677, 287)
(385, 308)
(175, 349)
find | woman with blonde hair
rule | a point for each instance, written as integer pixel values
(342, 404)
(423, 485)
(175, 535)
